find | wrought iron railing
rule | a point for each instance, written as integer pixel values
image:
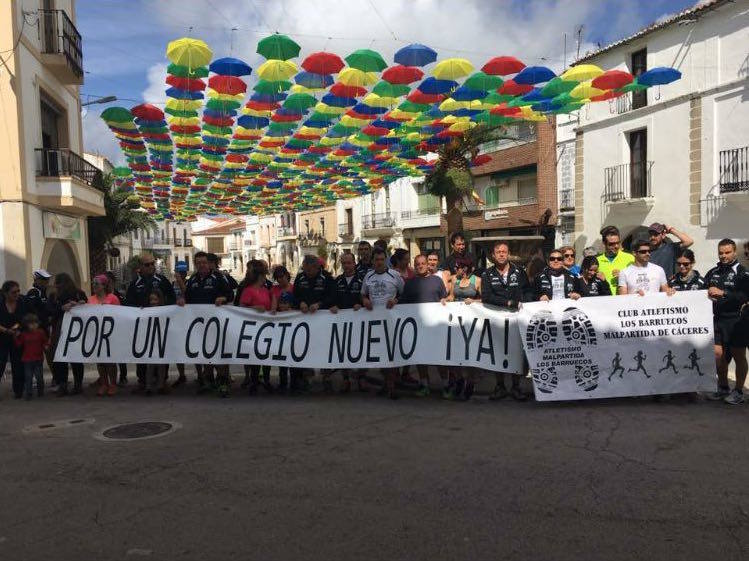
(188, 242)
(285, 232)
(566, 199)
(408, 214)
(381, 220)
(627, 181)
(64, 163)
(734, 170)
(346, 230)
(60, 36)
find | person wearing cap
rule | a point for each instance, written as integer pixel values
(663, 250)
(36, 300)
(614, 259)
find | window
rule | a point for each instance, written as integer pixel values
(428, 202)
(349, 221)
(187, 260)
(322, 225)
(527, 189)
(638, 156)
(428, 245)
(306, 225)
(51, 117)
(174, 232)
(639, 64)
(148, 234)
(135, 234)
(491, 196)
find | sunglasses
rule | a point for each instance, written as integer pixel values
(683, 263)
(643, 251)
(555, 258)
(568, 255)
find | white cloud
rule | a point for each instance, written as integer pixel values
(98, 139)
(155, 91)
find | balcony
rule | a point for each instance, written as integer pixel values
(631, 101)
(65, 182)
(627, 182)
(378, 221)
(61, 46)
(188, 242)
(346, 230)
(734, 170)
(285, 233)
(512, 135)
(566, 200)
(234, 246)
(146, 243)
(177, 242)
(426, 217)
(311, 239)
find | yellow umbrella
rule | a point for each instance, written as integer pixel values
(374, 100)
(585, 90)
(260, 158)
(276, 70)
(452, 68)
(326, 141)
(189, 52)
(581, 73)
(451, 105)
(184, 121)
(184, 104)
(461, 126)
(298, 88)
(355, 77)
(326, 109)
(213, 94)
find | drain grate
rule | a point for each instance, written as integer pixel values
(136, 431)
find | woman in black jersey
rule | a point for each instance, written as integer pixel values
(686, 278)
(589, 282)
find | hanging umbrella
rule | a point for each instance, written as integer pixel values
(435, 86)
(268, 87)
(117, 115)
(342, 90)
(366, 60)
(147, 112)
(418, 96)
(191, 84)
(386, 89)
(355, 77)
(299, 101)
(483, 81)
(415, 54)
(510, 87)
(313, 81)
(452, 68)
(186, 71)
(582, 73)
(585, 90)
(534, 75)
(503, 65)
(227, 84)
(323, 63)
(558, 86)
(189, 52)
(402, 74)
(658, 76)
(612, 79)
(276, 70)
(464, 93)
(278, 47)
(633, 86)
(230, 67)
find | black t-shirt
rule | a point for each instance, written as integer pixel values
(596, 287)
(140, 289)
(205, 290)
(10, 319)
(420, 290)
(348, 291)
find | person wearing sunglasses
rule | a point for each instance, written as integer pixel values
(568, 252)
(613, 260)
(590, 283)
(643, 277)
(555, 282)
(686, 277)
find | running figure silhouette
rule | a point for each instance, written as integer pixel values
(669, 358)
(640, 357)
(616, 363)
(694, 362)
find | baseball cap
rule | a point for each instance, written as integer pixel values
(42, 274)
(180, 266)
(657, 227)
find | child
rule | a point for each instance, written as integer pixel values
(102, 294)
(282, 300)
(156, 373)
(33, 341)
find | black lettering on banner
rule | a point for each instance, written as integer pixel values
(407, 354)
(209, 323)
(139, 353)
(507, 334)
(262, 355)
(390, 343)
(156, 334)
(467, 336)
(188, 352)
(224, 354)
(106, 321)
(244, 337)
(486, 333)
(284, 325)
(86, 352)
(371, 340)
(448, 347)
(70, 338)
(349, 354)
(337, 340)
(295, 357)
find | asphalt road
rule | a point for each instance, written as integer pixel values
(360, 477)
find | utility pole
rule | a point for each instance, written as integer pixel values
(579, 39)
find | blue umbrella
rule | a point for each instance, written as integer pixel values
(364, 109)
(467, 94)
(534, 75)
(415, 54)
(230, 67)
(434, 86)
(535, 95)
(183, 94)
(310, 80)
(219, 113)
(250, 122)
(466, 112)
(385, 124)
(268, 98)
(316, 124)
(658, 76)
(336, 101)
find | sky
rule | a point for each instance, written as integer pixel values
(124, 41)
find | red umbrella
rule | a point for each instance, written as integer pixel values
(227, 84)
(481, 160)
(502, 109)
(612, 79)
(189, 84)
(342, 90)
(417, 96)
(262, 106)
(402, 74)
(323, 63)
(147, 112)
(503, 65)
(218, 121)
(372, 130)
(510, 87)
(606, 96)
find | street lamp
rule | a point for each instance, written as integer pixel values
(106, 99)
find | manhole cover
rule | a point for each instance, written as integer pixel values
(138, 431)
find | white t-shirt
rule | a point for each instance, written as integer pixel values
(557, 287)
(648, 279)
(381, 287)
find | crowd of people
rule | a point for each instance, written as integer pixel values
(30, 324)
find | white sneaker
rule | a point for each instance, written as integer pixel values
(735, 398)
(718, 395)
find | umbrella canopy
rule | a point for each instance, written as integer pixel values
(612, 79)
(402, 74)
(268, 87)
(415, 54)
(435, 86)
(366, 60)
(314, 81)
(186, 71)
(558, 86)
(510, 87)
(452, 68)
(189, 52)
(503, 65)
(355, 77)
(658, 76)
(534, 75)
(323, 63)
(386, 89)
(299, 101)
(278, 47)
(483, 81)
(147, 112)
(117, 115)
(582, 72)
(230, 67)
(227, 84)
(276, 70)
(585, 90)
(342, 90)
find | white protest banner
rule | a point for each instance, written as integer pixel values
(455, 334)
(616, 346)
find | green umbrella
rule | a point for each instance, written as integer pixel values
(178, 113)
(563, 99)
(519, 102)
(117, 115)
(299, 101)
(278, 47)
(222, 104)
(494, 98)
(632, 87)
(412, 107)
(121, 171)
(268, 87)
(483, 82)
(569, 107)
(557, 86)
(487, 118)
(386, 89)
(186, 71)
(366, 60)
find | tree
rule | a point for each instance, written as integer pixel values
(122, 216)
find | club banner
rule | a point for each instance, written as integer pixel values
(455, 334)
(616, 346)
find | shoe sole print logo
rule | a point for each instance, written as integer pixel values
(542, 330)
(545, 379)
